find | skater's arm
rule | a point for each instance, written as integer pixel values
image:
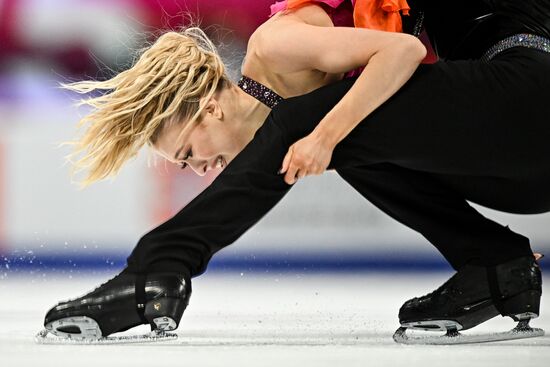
(242, 194)
(390, 60)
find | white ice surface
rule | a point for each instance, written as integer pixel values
(263, 320)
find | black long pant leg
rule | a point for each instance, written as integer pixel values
(442, 215)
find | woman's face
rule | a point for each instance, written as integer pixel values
(210, 144)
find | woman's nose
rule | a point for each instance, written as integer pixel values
(200, 168)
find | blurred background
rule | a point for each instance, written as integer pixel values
(48, 224)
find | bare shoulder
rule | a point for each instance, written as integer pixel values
(310, 14)
(270, 49)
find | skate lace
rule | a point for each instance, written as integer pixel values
(440, 290)
(105, 283)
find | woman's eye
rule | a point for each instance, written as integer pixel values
(188, 155)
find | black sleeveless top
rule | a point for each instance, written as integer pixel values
(466, 29)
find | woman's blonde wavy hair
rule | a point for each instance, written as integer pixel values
(165, 84)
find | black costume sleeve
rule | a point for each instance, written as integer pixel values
(534, 15)
(239, 197)
(467, 30)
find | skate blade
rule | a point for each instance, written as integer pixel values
(44, 337)
(454, 337)
(85, 330)
(433, 325)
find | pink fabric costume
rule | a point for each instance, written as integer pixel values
(340, 11)
(382, 15)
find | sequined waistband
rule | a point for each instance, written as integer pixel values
(518, 40)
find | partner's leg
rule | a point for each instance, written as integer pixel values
(440, 213)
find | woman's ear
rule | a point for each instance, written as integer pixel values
(212, 108)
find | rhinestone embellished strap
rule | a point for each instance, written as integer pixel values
(418, 25)
(260, 92)
(518, 40)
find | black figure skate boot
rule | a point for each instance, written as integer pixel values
(126, 301)
(474, 295)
